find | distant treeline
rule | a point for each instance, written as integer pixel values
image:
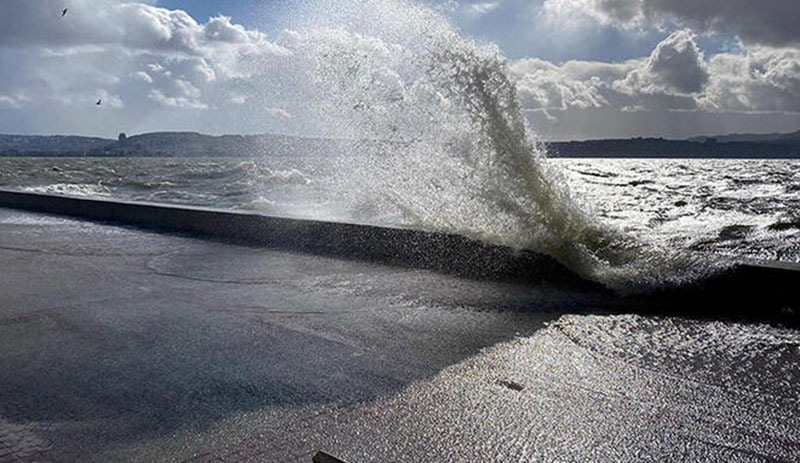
(782, 148)
(49, 145)
(191, 144)
(163, 144)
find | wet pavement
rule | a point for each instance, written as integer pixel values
(118, 344)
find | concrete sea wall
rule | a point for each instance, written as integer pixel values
(752, 290)
(393, 246)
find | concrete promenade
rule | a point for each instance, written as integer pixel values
(118, 344)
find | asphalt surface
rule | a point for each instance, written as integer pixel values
(118, 344)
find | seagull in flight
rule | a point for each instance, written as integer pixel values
(99, 102)
(64, 12)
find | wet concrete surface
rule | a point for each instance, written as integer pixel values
(123, 345)
(111, 336)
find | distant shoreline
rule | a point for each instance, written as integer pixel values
(651, 148)
(192, 144)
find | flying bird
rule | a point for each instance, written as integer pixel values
(99, 102)
(64, 12)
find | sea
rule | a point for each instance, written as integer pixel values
(735, 208)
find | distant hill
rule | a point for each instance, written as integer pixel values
(192, 144)
(50, 145)
(752, 138)
(770, 146)
(168, 144)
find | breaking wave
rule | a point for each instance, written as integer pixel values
(447, 147)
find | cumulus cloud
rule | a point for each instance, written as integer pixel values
(565, 11)
(479, 9)
(543, 85)
(771, 22)
(133, 55)
(222, 29)
(143, 76)
(675, 66)
(132, 27)
(10, 102)
(667, 79)
(762, 79)
(175, 101)
(110, 99)
(279, 113)
(99, 22)
(676, 76)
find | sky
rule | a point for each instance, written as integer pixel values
(583, 68)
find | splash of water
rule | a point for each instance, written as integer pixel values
(445, 145)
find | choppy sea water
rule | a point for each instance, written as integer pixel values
(746, 208)
(737, 208)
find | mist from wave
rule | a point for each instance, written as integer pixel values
(451, 148)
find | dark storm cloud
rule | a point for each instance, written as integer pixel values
(766, 22)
